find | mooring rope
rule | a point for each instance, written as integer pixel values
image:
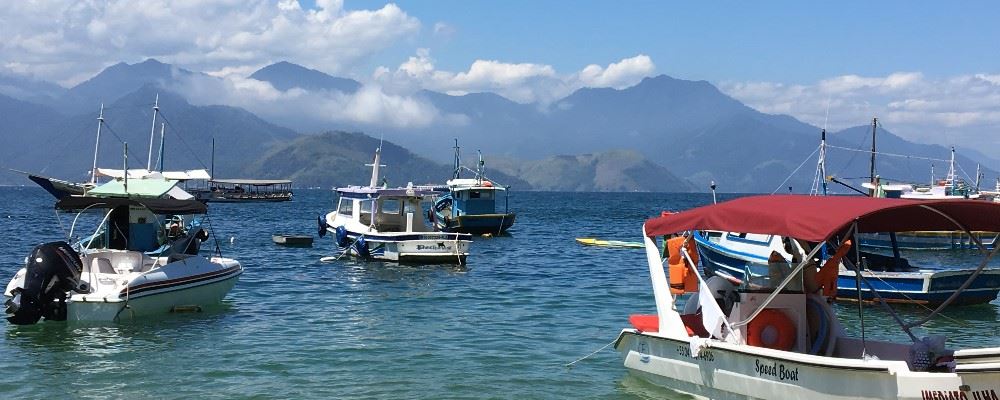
(591, 354)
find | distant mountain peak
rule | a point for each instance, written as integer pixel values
(284, 75)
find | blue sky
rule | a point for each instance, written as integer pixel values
(786, 41)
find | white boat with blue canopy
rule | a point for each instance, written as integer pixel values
(777, 337)
(381, 223)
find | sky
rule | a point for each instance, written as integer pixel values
(930, 71)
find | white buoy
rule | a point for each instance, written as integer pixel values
(328, 259)
(232, 239)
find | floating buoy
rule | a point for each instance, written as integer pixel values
(486, 235)
(328, 259)
(232, 239)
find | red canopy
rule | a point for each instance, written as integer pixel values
(817, 218)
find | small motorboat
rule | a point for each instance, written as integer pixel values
(381, 223)
(119, 279)
(776, 336)
(292, 240)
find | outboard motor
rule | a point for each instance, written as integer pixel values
(52, 271)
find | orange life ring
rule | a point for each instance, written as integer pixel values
(771, 329)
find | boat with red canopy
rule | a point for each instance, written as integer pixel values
(776, 336)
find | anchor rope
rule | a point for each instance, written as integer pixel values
(591, 354)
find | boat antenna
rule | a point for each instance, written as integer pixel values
(872, 191)
(712, 186)
(458, 167)
(97, 144)
(152, 132)
(159, 156)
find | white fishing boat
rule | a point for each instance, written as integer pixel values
(777, 337)
(120, 280)
(383, 223)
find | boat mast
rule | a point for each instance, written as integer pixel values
(159, 156)
(819, 182)
(458, 167)
(481, 168)
(152, 133)
(97, 144)
(125, 165)
(212, 171)
(874, 188)
(375, 165)
(950, 179)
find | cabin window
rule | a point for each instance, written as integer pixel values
(474, 194)
(366, 206)
(390, 206)
(346, 207)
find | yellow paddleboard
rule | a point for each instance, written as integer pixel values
(608, 243)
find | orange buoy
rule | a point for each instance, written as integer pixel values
(771, 329)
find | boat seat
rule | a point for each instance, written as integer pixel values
(651, 323)
(102, 265)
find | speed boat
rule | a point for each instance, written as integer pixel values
(776, 336)
(119, 279)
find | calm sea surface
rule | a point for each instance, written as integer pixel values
(501, 327)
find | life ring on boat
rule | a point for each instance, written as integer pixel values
(487, 184)
(771, 329)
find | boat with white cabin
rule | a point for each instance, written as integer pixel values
(776, 336)
(382, 223)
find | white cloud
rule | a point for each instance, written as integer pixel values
(198, 35)
(959, 110)
(520, 82)
(370, 106)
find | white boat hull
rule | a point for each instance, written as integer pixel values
(728, 371)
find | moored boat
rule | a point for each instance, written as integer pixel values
(120, 280)
(777, 336)
(738, 255)
(470, 206)
(382, 223)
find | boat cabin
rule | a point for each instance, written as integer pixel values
(472, 197)
(386, 209)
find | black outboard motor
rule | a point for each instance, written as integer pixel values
(53, 269)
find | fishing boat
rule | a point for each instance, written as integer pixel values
(381, 223)
(470, 206)
(776, 336)
(742, 255)
(119, 280)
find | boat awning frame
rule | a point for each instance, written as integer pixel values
(818, 218)
(158, 206)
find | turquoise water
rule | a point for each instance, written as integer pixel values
(501, 327)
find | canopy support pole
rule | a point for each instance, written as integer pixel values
(962, 288)
(785, 282)
(857, 282)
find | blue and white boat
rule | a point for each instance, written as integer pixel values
(380, 223)
(470, 206)
(736, 256)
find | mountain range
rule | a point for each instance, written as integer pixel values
(662, 134)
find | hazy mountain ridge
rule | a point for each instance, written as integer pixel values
(685, 128)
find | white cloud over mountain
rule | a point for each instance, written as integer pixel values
(959, 110)
(521, 82)
(68, 42)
